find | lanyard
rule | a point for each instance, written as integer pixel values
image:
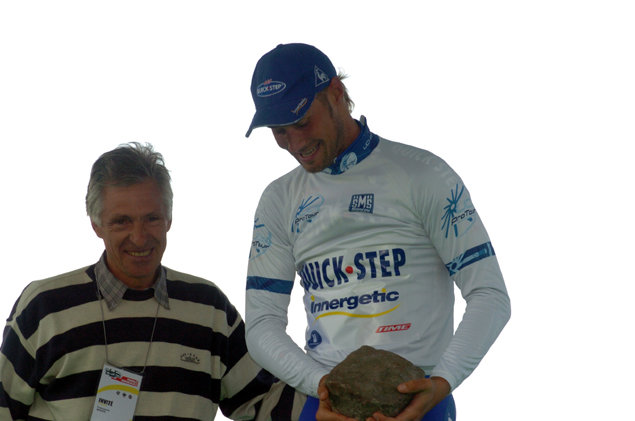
(103, 321)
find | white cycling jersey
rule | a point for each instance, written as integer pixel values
(377, 239)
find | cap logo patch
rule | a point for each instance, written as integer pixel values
(300, 105)
(320, 76)
(270, 87)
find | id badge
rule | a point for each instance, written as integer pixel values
(117, 394)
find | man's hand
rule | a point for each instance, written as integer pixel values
(429, 392)
(325, 412)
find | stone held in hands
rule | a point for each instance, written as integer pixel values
(366, 382)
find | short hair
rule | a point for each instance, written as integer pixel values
(126, 165)
(321, 96)
(351, 105)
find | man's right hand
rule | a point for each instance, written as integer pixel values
(325, 412)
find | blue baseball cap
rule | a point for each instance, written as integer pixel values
(285, 82)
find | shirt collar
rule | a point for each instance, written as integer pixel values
(113, 290)
(356, 152)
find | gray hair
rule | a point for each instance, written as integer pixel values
(128, 164)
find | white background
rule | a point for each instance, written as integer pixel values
(533, 103)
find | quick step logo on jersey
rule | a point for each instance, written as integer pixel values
(362, 203)
(331, 271)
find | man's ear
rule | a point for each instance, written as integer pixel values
(98, 230)
(169, 225)
(336, 88)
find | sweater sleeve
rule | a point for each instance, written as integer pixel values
(17, 370)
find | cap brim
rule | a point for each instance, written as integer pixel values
(282, 114)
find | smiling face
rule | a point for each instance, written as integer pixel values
(134, 229)
(317, 139)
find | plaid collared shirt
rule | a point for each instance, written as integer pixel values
(112, 289)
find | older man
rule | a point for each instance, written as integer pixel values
(378, 231)
(127, 336)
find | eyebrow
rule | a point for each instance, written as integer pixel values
(118, 216)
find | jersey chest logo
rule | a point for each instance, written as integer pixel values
(308, 210)
(362, 203)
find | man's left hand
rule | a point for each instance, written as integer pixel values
(428, 394)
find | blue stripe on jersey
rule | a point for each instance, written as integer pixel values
(267, 284)
(470, 256)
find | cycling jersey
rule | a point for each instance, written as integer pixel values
(378, 240)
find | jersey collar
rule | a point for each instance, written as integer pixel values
(356, 152)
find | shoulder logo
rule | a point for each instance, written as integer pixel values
(261, 240)
(307, 212)
(270, 87)
(459, 214)
(320, 76)
(362, 203)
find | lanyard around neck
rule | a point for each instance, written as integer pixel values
(103, 321)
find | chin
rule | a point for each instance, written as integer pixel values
(314, 168)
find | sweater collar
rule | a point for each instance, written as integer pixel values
(113, 290)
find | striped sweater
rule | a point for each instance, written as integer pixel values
(53, 354)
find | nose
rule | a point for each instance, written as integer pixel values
(139, 234)
(295, 141)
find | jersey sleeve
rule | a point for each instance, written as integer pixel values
(270, 278)
(459, 236)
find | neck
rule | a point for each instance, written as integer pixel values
(351, 130)
(139, 285)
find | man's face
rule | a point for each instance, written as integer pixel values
(316, 140)
(134, 228)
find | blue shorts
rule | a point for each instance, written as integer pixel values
(444, 411)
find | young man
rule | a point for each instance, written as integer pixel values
(378, 232)
(127, 336)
